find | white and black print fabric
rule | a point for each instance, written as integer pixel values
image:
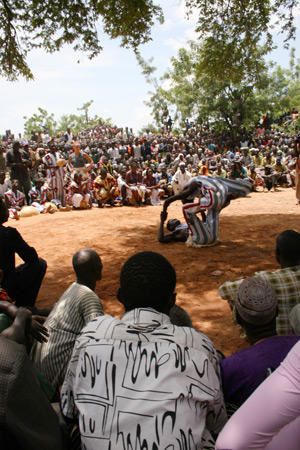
(141, 383)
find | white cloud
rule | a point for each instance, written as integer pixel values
(174, 43)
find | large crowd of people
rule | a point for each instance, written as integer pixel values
(111, 166)
(73, 377)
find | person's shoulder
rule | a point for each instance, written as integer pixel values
(193, 339)
(10, 232)
(98, 327)
(81, 291)
(278, 272)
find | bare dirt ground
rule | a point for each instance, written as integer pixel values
(248, 230)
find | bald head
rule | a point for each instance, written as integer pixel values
(87, 266)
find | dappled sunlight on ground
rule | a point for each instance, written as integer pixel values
(248, 230)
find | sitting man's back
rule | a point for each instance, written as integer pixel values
(141, 381)
(77, 306)
(285, 281)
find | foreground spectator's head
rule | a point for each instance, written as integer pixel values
(4, 214)
(147, 280)
(256, 308)
(88, 267)
(294, 318)
(288, 248)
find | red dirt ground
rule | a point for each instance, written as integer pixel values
(248, 230)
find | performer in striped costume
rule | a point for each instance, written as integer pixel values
(213, 195)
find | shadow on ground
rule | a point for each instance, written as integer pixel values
(246, 245)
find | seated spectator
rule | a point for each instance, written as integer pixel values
(255, 178)
(244, 371)
(142, 379)
(153, 193)
(22, 283)
(79, 196)
(133, 179)
(285, 281)
(27, 420)
(77, 306)
(105, 188)
(281, 172)
(15, 200)
(269, 177)
(5, 184)
(238, 171)
(203, 168)
(220, 172)
(270, 419)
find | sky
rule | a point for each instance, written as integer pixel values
(113, 80)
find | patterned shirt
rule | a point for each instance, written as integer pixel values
(141, 382)
(286, 284)
(76, 307)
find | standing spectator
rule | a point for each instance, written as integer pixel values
(2, 160)
(55, 174)
(180, 179)
(18, 163)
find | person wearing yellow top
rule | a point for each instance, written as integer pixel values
(268, 160)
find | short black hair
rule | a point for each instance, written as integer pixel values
(148, 280)
(288, 247)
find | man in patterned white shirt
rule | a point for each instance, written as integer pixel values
(141, 382)
(77, 306)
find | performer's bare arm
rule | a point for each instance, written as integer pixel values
(189, 190)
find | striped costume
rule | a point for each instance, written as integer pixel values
(214, 194)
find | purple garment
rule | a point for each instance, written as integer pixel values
(245, 370)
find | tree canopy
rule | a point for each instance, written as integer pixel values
(229, 104)
(42, 121)
(29, 24)
(231, 29)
